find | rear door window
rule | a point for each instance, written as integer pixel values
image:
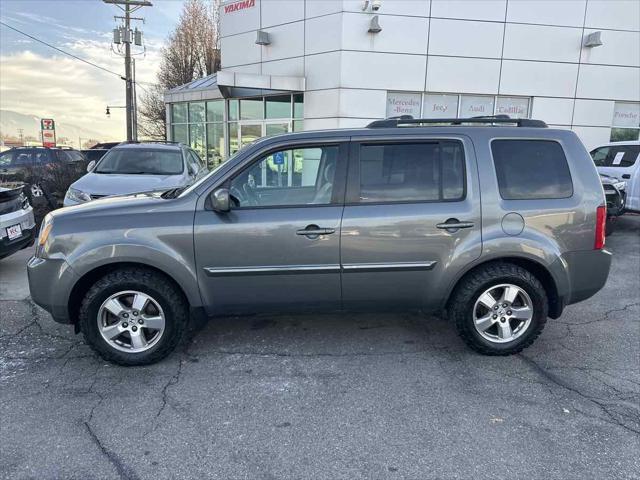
(616, 156)
(531, 169)
(411, 172)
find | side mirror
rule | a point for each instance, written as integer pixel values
(220, 200)
(91, 166)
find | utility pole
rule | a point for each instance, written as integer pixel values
(126, 35)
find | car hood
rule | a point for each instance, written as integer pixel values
(103, 184)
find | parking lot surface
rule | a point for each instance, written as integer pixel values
(329, 396)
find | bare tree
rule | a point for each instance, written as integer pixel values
(191, 52)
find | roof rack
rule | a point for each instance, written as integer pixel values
(150, 141)
(394, 122)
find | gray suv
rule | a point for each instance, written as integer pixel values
(497, 222)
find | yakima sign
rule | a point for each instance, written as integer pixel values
(48, 132)
(243, 5)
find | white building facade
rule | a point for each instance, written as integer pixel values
(316, 64)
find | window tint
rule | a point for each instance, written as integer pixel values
(302, 176)
(616, 156)
(531, 169)
(5, 159)
(431, 171)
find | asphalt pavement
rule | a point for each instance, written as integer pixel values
(383, 396)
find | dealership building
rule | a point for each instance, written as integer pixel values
(290, 65)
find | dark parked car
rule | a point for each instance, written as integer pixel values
(47, 172)
(499, 226)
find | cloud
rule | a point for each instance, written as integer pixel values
(71, 91)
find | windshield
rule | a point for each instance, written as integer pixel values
(135, 161)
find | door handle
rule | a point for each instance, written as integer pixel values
(453, 224)
(626, 176)
(314, 231)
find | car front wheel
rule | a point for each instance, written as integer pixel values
(499, 309)
(133, 316)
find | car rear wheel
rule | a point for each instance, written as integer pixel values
(133, 316)
(499, 309)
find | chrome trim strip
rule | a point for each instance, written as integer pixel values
(271, 270)
(388, 266)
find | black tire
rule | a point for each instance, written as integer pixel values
(162, 290)
(478, 281)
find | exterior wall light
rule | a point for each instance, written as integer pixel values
(593, 40)
(262, 38)
(374, 25)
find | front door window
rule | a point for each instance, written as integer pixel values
(301, 176)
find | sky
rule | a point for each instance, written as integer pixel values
(37, 80)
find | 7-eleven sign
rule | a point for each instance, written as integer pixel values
(48, 131)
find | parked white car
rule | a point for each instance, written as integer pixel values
(621, 160)
(135, 168)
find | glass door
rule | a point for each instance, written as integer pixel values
(249, 132)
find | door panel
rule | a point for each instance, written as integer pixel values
(396, 253)
(279, 247)
(253, 260)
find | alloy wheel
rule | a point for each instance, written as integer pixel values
(502, 313)
(131, 321)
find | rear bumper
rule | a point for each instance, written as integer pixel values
(50, 283)
(588, 273)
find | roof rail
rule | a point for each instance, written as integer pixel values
(150, 141)
(394, 122)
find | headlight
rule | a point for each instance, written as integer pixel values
(24, 202)
(45, 230)
(620, 185)
(78, 196)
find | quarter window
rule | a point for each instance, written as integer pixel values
(531, 169)
(302, 176)
(409, 172)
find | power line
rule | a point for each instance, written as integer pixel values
(62, 51)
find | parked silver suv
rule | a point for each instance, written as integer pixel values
(498, 222)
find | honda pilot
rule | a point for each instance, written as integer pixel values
(496, 223)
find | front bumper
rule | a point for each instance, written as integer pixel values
(588, 273)
(50, 283)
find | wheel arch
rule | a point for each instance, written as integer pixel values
(86, 281)
(537, 268)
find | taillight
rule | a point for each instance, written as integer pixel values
(601, 221)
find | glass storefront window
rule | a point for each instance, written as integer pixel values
(251, 109)
(278, 107)
(215, 144)
(202, 124)
(440, 106)
(515, 107)
(298, 125)
(234, 110)
(181, 134)
(233, 138)
(625, 122)
(179, 113)
(215, 111)
(276, 128)
(624, 134)
(298, 105)
(196, 135)
(196, 112)
(475, 106)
